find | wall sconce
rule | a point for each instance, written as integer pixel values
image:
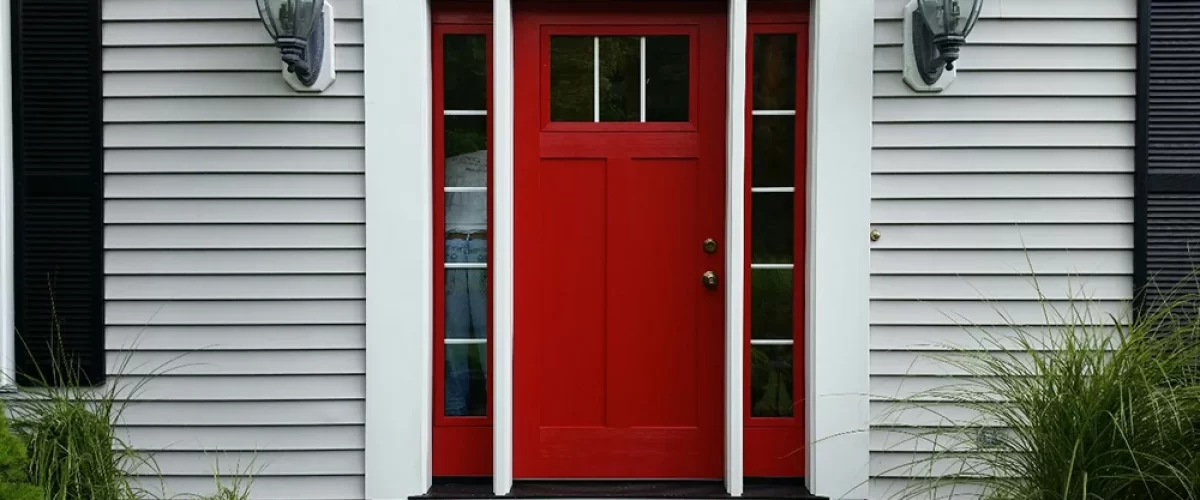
(303, 32)
(934, 31)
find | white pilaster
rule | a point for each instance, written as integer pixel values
(399, 254)
(735, 223)
(502, 239)
(8, 280)
(837, 371)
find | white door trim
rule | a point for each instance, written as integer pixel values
(735, 255)
(503, 221)
(8, 279)
(837, 291)
(399, 254)
(503, 218)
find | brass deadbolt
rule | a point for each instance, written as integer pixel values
(710, 246)
(875, 235)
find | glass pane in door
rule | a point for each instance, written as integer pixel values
(620, 78)
(572, 61)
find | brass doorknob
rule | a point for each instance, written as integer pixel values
(709, 279)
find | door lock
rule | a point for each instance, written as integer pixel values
(710, 246)
(709, 279)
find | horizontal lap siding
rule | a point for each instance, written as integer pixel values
(235, 239)
(1024, 164)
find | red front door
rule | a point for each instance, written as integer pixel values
(620, 171)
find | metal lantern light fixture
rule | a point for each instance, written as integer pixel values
(303, 32)
(934, 32)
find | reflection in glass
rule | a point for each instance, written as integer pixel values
(466, 220)
(466, 318)
(775, 72)
(771, 381)
(771, 304)
(572, 62)
(573, 82)
(466, 289)
(466, 303)
(620, 74)
(772, 237)
(774, 151)
(465, 72)
(466, 296)
(667, 78)
(466, 380)
(466, 151)
(771, 229)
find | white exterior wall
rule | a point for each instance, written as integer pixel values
(236, 220)
(1030, 149)
(235, 229)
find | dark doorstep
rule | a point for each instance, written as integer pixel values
(481, 488)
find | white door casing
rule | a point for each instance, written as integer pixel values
(399, 163)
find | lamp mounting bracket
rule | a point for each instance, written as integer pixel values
(926, 69)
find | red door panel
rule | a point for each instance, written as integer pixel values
(573, 309)
(619, 370)
(653, 293)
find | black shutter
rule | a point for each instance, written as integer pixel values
(59, 182)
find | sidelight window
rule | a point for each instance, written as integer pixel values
(462, 254)
(465, 238)
(775, 174)
(773, 230)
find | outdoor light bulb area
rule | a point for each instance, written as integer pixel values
(934, 33)
(303, 33)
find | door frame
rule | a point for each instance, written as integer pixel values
(399, 284)
(538, 136)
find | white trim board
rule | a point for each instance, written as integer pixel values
(502, 246)
(399, 254)
(837, 291)
(735, 256)
(8, 281)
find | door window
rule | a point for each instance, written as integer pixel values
(620, 78)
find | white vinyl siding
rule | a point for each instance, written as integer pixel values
(235, 249)
(1024, 163)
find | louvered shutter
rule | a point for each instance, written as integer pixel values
(58, 175)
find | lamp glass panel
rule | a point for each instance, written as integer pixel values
(307, 13)
(289, 17)
(269, 11)
(972, 18)
(950, 17)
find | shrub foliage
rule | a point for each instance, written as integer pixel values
(14, 466)
(1095, 409)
